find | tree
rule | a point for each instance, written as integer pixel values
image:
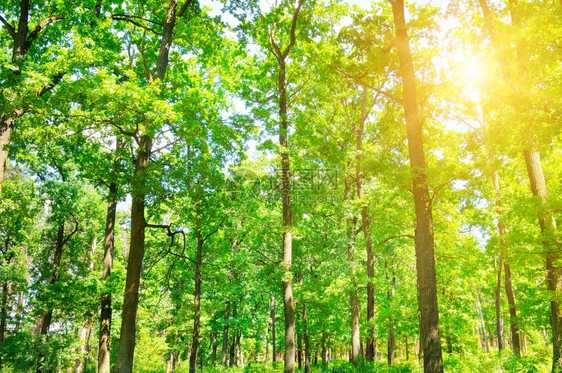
(425, 255)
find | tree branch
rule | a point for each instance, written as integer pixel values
(64, 242)
(9, 27)
(184, 7)
(293, 29)
(398, 236)
(44, 23)
(118, 17)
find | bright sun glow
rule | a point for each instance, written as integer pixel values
(473, 71)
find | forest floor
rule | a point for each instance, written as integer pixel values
(535, 361)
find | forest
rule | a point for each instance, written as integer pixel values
(280, 186)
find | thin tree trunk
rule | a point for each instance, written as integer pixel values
(3, 317)
(7, 124)
(232, 354)
(513, 322)
(214, 346)
(514, 327)
(273, 335)
(288, 304)
(499, 326)
(482, 323)
(85, 331)
(224, 355)
(424, 239)
(196, 302)
(46, 319)
(306, 340)
(325, 357)
(391, 344)
(366, 223)
(299, 350)
(353, 296)
(84, 345)
(104, 343)
(552, 252)
(407, 347)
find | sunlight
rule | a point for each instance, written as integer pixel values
(473, 71)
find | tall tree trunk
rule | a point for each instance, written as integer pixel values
(552, 251)
(514, 327)
(273, 335)
(324, 349)
(3, 316)
(104, 343)
(391, 344)
(482, 323)
(499, 326)
(84, 345)
(224, 352)
(288, 304)
(391, 328)
(126, 350)
(299, 350)
(513, 322)
(365, 223)
(196, 302)
(407, 347)
(232, 353)
(306, 340)
(85, 331)
(47, 317)
(6, 127)
(214, 350)
(353, 296)
(424, 240)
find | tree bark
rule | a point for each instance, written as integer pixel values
(288, 304)
(48, 316)
(391, 332)
(273, 335)
(365, 225)
(499, 326)
(407, 347)
(224, 352)
(232, 354)
(424, 239)
(306, 340)
(126, 350)
(325, 351)
(482, 323)
(353, 296)
(84, 346)
(85, 331)
(514, 327)
(104, 343)
(214, 348)
(299, 350)
(6, 127)
(513, 322)
(196, 301)
(391, 344)
(552, 251)
(3, 316)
